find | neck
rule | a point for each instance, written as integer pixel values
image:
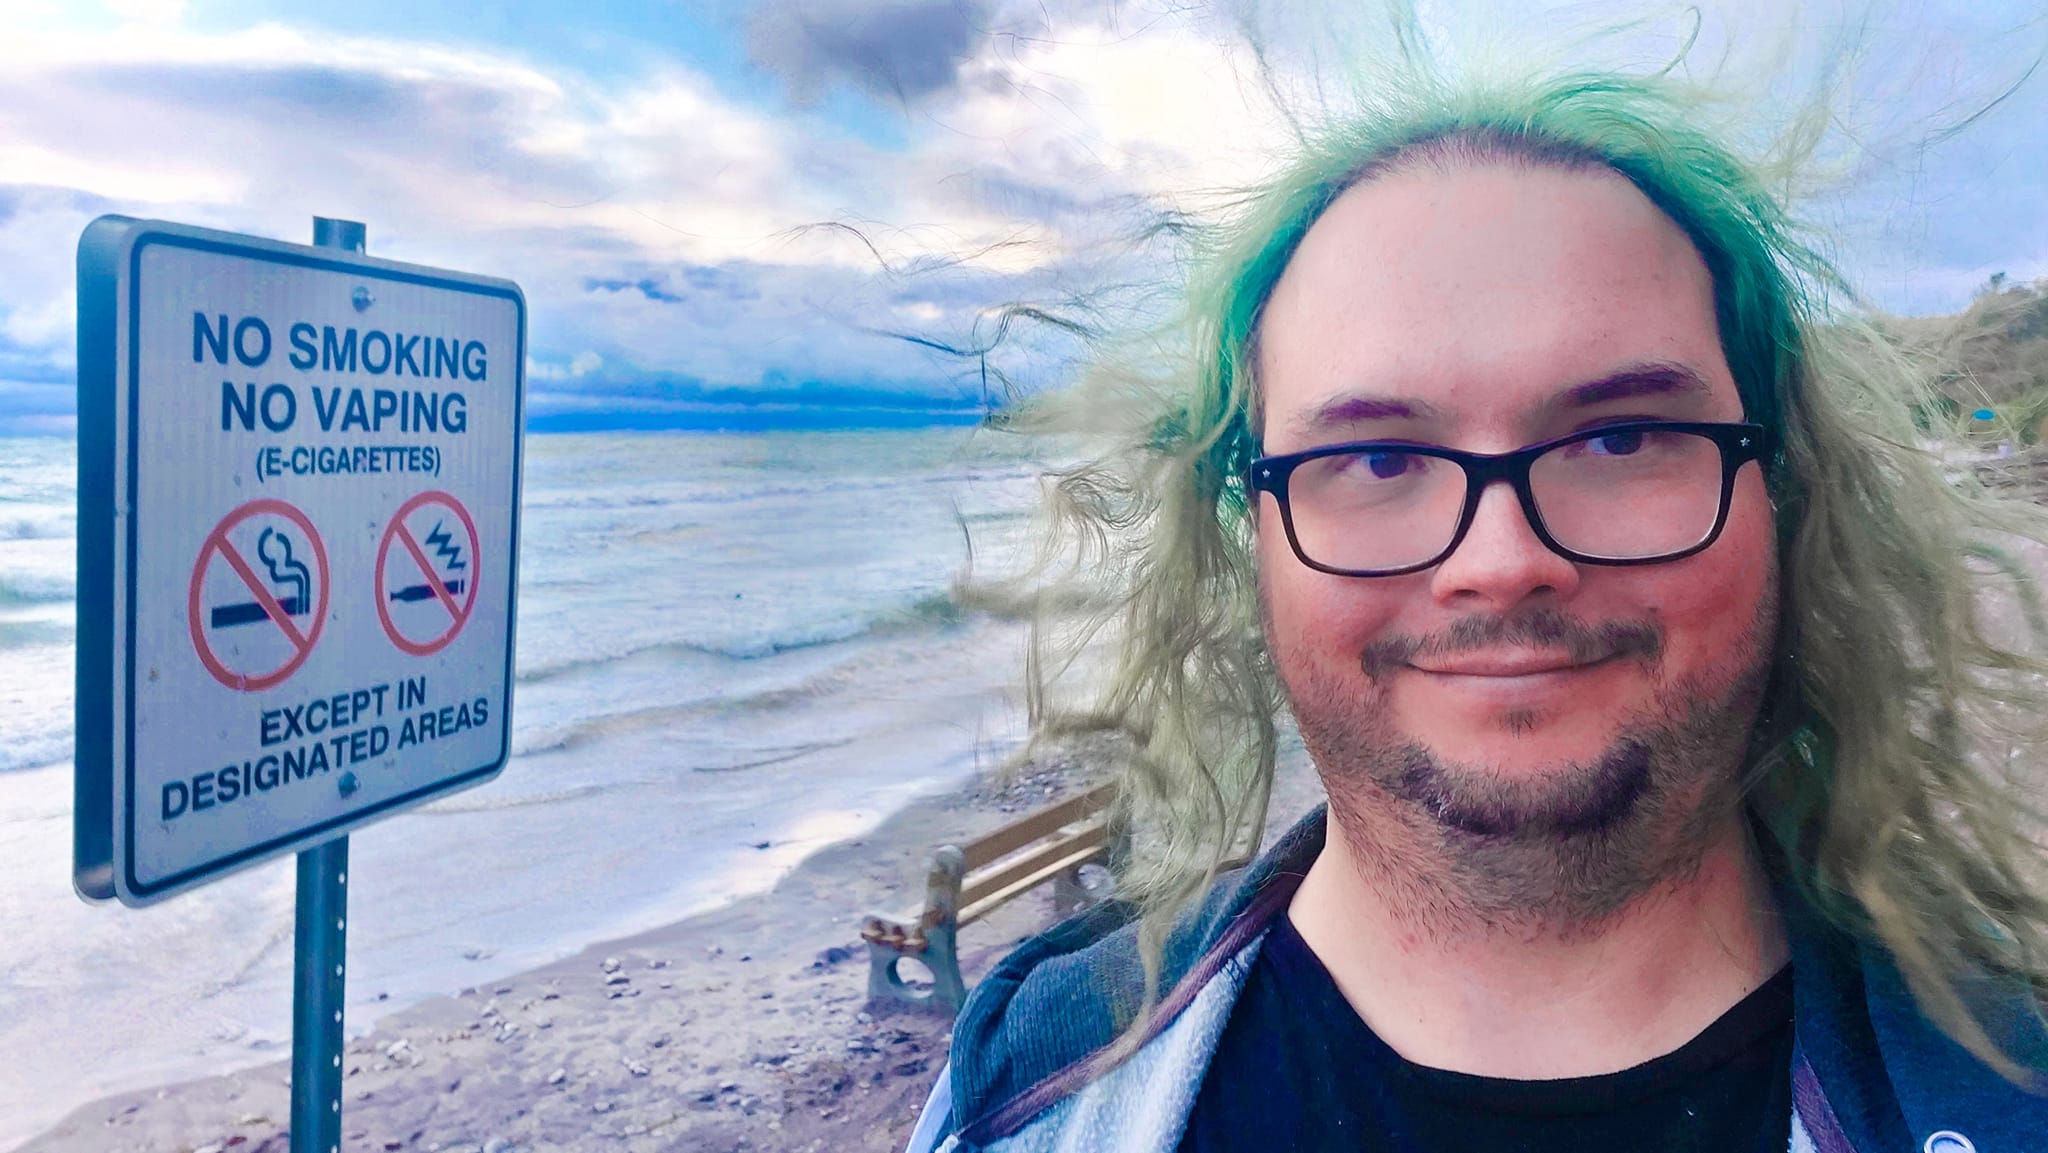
(1528, 999)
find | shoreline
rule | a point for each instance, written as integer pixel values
(628, 829)
(742, 1028)
(700, 1013)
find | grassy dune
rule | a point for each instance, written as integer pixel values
(1993, 354)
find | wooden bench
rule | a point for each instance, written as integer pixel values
(967, 882)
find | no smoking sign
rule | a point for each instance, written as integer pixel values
(427, 573)
(298, 546)
(258, 597)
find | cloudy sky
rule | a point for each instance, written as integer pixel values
(736, 211)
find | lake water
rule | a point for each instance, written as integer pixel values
(723, 641)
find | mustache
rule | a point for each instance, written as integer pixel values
(1638, 640)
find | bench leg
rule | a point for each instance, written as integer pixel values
(883, 983)
(1069, 896)
(947, 992)
(942, 957)
(942, 902)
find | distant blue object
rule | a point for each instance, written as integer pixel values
(1983, 414)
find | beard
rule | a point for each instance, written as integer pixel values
(1556, 849)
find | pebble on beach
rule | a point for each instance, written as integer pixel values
(761, 1020)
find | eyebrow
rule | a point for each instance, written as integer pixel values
(1351, 409)
(1653, 378)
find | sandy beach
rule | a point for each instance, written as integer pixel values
(742, 1029)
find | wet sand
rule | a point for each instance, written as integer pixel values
(746, 1028)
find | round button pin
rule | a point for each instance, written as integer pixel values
(1948, 1141)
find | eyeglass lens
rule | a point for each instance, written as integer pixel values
(1630, 495)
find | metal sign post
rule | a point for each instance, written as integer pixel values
(319, 943)
(320, 936)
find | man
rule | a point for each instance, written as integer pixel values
(1634, 643)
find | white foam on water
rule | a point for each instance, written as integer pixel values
(35, 707)
(569, 847)
(724, 643)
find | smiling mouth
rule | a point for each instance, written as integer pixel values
(1508, 665)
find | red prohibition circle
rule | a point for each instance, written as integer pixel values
(217, 542)
(459, 614)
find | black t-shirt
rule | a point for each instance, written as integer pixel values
(1298, 1070)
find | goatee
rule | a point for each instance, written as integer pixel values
(1460, 846)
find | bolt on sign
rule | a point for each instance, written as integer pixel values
(298, 537)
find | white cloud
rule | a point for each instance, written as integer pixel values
(453, 157)
(486, 162)
(657, 224)
(1163, 107)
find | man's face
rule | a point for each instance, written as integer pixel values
(1509, 690)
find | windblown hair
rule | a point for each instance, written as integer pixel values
(1908, 700)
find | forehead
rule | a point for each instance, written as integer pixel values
(1484, 292)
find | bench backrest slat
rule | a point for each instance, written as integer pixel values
(1011, 837)
(1030, 869)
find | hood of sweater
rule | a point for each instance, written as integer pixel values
(1038, 1027)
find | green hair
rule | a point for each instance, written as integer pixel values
(1900, 721)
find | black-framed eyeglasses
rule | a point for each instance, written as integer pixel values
(1641, 492)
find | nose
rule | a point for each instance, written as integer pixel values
(1501, 562)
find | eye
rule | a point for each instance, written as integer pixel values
(1388, 465)
(1625, 443)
